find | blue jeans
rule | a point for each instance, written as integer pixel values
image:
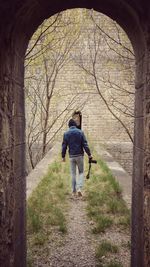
(77, 183)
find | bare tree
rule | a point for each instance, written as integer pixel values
(48, 108)
(54, 46)
(103, 47)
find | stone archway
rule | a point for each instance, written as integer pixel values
(18, 21)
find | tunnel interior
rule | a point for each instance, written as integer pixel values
(19, 21)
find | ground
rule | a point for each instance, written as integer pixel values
(69, 231)
(78, 246)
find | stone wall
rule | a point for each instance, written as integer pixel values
(19, 19)
(114, 75)
(123, 154)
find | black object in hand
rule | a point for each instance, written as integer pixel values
(92, 160)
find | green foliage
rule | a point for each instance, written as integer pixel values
(63, 227)
(102, 223)
(104, 248)
(104, 196)
(47, 206)
(95, 198)
(40, 239)
(34, 219)
(46, 203)
(55, 168)
(116, 205)
(103, 166)
(29, 260)
(106, 208)
(125, 221)
(49, 51)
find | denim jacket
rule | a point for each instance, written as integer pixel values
(76, 141)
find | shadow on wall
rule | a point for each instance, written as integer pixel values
(122, 152)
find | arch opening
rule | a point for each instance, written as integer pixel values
(18, 32)
(71, 82)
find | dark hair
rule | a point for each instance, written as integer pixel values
(72, 123)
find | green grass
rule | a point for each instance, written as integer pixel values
(107, 209)
(103, 222)
(125, 221)
(104, 196)
(47, 206)
(116, 205)
(104, 248)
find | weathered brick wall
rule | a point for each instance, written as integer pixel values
(123, 153)
(98, 122)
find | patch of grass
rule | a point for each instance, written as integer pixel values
(104, 248)
(117, 205)
(40, 239)
(125, 221)
(47, 206)
(92, 212)
(95, 198)
(106, 176)
(29, 260)
(115, 185)
(104, 196)
(102, 223)
(103, 166)
(34, 220)
(106, 209)
(63, 228)
(55, 216)
(55, 167)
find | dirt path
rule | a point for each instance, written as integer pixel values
(77, 247)
(77, 250)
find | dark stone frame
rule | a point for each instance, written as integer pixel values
(19, 19)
